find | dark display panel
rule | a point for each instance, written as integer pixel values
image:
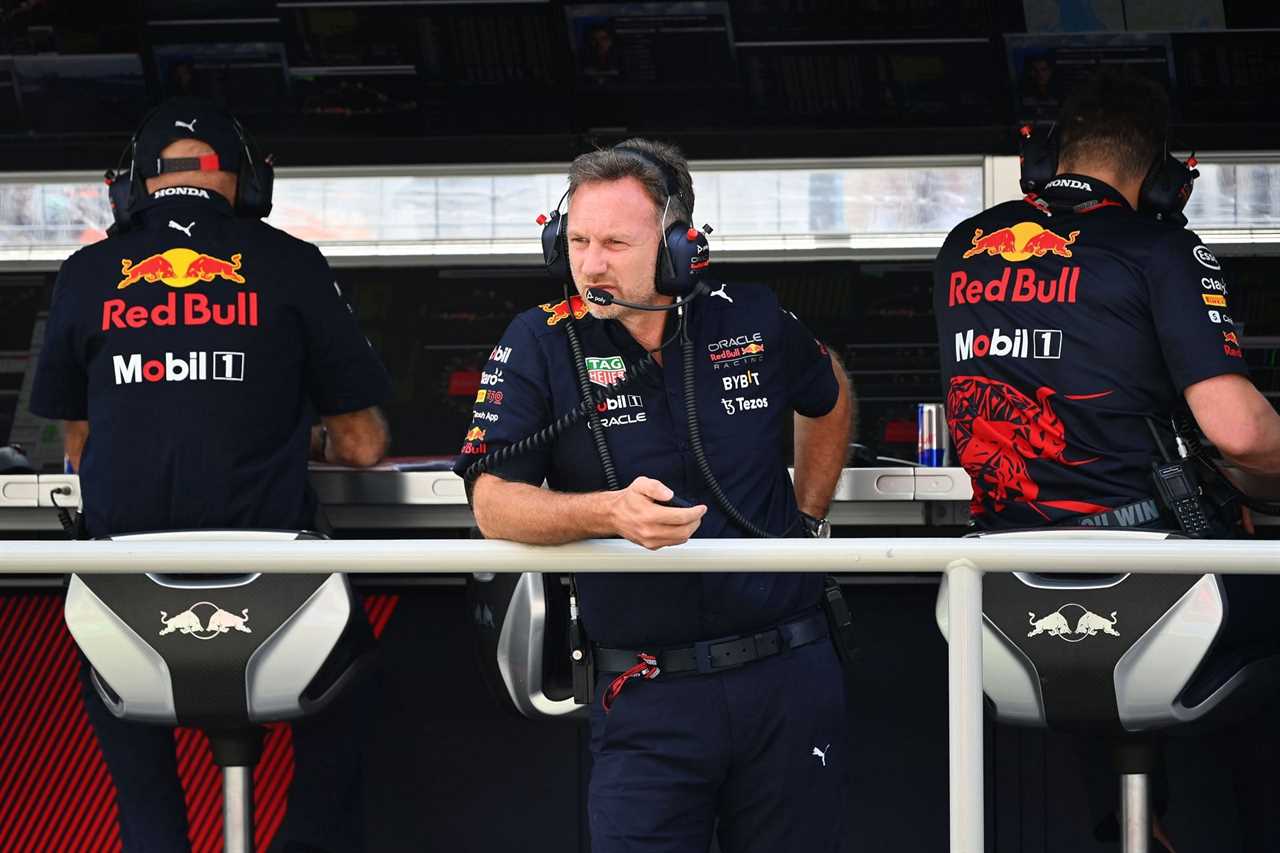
(434, 329)
(410, 81)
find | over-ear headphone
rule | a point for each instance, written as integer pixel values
(255, 180)
(682, 258)
(1165, 189)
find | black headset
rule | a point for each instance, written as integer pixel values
(1165, 189)
(254, 184)
(682, 259)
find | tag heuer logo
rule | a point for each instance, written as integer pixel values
(606, 371)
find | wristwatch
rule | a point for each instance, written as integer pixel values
(817, 528)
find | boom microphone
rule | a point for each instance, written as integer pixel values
(604, 297)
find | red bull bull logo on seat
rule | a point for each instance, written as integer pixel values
(179, 268)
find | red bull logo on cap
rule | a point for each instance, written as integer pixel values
(1021, 242)
(475, 434)
(179, 268)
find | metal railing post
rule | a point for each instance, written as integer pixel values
(964, 706)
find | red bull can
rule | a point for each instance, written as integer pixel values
(932, 438)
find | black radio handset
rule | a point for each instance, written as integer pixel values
(1178, 488)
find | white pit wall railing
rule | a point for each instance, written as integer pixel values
(964, 561)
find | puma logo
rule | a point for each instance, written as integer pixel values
(191, 126)
(821, 754)
(726, 297)
(184, 229)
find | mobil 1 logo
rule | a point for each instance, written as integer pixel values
(1016, 343)
(180, 367)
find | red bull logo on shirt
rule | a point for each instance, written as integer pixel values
(1020, 242)
(179, 268)
(195, 310)
(560, 310)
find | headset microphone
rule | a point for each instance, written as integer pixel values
(604, 297)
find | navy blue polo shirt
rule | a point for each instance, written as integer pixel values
(199, 346)
(1064, 322)
(755, 364)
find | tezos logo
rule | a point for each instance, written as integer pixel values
(1206, 258)
(494, 378)
(733, 405)
(1069, 183)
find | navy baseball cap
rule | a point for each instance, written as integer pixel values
(188, 118)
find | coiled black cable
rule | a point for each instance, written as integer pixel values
(549, 434)
(699, 453)
(593, 416)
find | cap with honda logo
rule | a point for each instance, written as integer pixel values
(189, 118)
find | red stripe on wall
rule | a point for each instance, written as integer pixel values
(56, 793)
(53, 776)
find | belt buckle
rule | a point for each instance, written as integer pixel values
(702, 655)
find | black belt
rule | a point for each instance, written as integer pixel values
(1140, 514)
(723, 653)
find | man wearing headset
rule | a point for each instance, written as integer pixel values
(1076, 321)
(187, 356)
(718, 696)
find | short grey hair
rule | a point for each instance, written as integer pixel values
(612, 164)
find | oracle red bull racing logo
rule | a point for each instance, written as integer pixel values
(1020, 242)
(997, 430)
(179, 268)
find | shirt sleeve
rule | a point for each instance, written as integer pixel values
(1191, 307)
(343, 372)
(813, 386)
(61, 385)
(514, 402)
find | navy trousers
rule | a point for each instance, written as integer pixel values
(324, 810)
(758, 754)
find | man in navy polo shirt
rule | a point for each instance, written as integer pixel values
(188, 357)
(759, 747)
(1074, 322)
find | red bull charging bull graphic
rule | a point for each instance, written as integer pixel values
(560, 310)
(1020, 242)
(997, 430)
(179, 268)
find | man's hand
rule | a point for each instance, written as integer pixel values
(520, 512)
(637, 514)
(74, 436)
(358, 438)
